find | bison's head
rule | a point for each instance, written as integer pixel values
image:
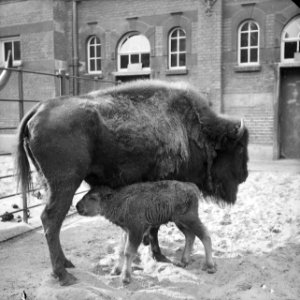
(225, 144)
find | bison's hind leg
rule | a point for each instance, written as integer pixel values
(59, 200)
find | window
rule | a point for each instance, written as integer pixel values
(290, 40)
(12, 44)
(248, 44)
(177, 49)
(134, 53)
(94, 55)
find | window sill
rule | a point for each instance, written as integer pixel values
(176, 72)
(240, 69)
(93, 75)
(128, 73)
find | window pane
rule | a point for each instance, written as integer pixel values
(92, 51)
(145, 60)
(92, 41)
(289, 49)
(92, 65)
(98, 64)
(173, 60)
(181, 32)
(253, 55)
(98, 51)
(174, 33)
(254, 39)
(181, 60)
(135, 58)
(173, 45)
(244, 39)
(253, 26)
(244, 55)
(182, 45)
(7, 47)
(17, 50)
(124, 61)
(245, 27)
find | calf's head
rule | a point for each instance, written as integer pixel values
(90, 205)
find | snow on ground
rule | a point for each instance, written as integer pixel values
(256, 244)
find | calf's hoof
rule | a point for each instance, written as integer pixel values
(126, 277)
(181, 264)
(210, 268)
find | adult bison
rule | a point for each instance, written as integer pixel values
(142, 131)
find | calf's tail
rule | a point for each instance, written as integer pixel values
(22, 165)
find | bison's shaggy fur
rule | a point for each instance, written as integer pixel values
(137, 207)
(143, 131)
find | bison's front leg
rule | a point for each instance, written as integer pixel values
(57, 206)
(152, 238)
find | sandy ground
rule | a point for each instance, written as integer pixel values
(256, 245)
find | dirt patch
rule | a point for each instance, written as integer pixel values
(256, 246)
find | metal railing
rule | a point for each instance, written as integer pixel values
(63, 78)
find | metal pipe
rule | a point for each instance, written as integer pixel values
(75, 46)
(4, 76)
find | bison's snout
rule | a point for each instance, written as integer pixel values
(80, 208)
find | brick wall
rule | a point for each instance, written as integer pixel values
(252, 94)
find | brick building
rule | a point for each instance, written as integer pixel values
(242, 55)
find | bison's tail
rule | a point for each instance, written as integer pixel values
(22, 165)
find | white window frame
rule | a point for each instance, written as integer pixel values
(292, 39)
(130, 53)
(16, 62)
(177, 52)
(95, 58)
(249, 47)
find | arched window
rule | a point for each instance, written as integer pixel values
(94, 55)
(248, 43)
(134, 53)
(290, 42)
(177, 49)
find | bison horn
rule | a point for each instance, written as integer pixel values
(241, 129)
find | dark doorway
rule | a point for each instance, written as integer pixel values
(289, 113)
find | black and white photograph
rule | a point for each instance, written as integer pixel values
(149, 149)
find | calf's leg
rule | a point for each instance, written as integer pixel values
(197, 227)
(153, 239)
(134, 239)
(189, 242)
(120, 262)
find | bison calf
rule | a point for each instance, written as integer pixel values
(140, 206)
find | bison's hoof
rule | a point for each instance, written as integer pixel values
(67, 279)
(126, 277)
(68, 264)
(116, 271)
(160, 258)
(210, 268)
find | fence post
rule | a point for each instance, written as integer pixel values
(21, 115)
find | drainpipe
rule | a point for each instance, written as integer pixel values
(75, 61)
(5, 74)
